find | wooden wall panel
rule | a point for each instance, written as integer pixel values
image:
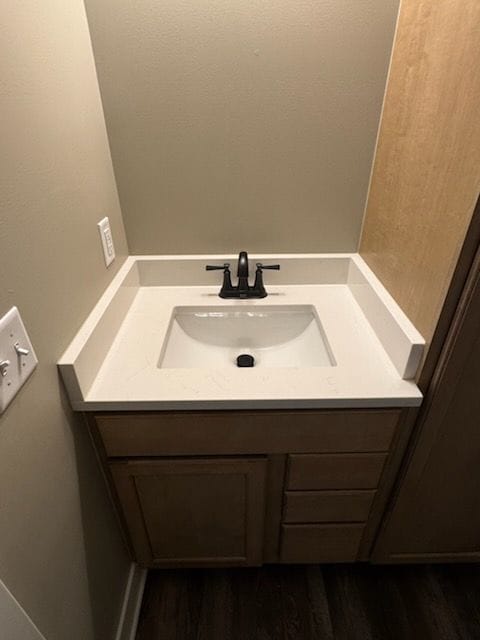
(426, 174)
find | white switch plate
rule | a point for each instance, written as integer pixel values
(107, 241)
(20, 367)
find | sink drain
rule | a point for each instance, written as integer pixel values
(245, 360)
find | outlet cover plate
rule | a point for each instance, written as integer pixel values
(107, 240)
(20, 367)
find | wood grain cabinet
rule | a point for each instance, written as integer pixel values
(194, 512)
(241, 488)
(327, 503)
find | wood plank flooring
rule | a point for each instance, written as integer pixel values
(330, 602)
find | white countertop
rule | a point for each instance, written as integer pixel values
(375, 347)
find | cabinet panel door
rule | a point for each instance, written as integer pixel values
(435, 513)
(193, 512)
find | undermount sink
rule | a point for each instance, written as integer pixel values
(214, 337)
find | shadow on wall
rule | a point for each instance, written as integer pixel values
(107, 578)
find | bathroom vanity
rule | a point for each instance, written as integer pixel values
(247, 487)
(209, 464)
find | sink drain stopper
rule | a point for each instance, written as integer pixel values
(245, 360)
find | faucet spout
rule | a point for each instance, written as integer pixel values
(242, 270)
(242, 273)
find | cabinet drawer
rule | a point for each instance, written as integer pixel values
(321, 542)
(168, 433)
(327, 506)
(335, 471)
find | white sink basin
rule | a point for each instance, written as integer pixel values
(276, 336)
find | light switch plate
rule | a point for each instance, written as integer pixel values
(107, 241)
(17, 357)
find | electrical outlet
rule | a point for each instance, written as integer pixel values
(107, 241)
(17, 357)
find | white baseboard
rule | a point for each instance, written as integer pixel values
(16, 624)
(127, 624)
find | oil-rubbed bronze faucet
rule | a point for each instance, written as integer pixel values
(243, 290)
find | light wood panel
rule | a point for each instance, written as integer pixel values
(244, 432)
(355, 447)
(194, 512)
(426, 175)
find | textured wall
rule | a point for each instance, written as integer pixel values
(60, 550)
(242, 124)
(426, 176)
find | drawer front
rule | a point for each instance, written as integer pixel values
(320, 543)
(335, 471)
(245, 432)
(327, 506)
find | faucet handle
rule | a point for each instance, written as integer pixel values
(214, 267)
(227, 289)
(268, 266)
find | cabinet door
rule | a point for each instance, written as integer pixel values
(193, 512)
(435, 513)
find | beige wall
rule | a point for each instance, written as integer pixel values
(60, 551)
(426, 176)
(242, 125)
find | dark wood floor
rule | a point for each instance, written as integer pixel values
(332, 602)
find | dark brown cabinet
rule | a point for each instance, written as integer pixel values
(327, 506)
